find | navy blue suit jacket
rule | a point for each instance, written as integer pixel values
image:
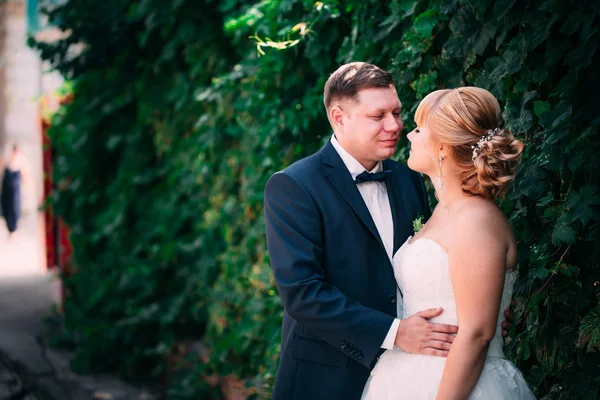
(332, 272)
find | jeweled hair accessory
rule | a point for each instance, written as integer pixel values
(490, 133)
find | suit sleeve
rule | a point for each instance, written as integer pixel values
(296, 250)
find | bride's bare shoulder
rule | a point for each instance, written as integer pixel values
(481, 224)
(481, 215)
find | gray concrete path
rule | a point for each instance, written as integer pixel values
(11, 384)
(29, 369)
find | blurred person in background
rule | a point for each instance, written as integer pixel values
(12, 180)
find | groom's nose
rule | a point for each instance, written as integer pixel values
(392, 124)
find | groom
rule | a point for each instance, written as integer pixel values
(333, 222)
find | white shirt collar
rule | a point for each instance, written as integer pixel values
(351, 163)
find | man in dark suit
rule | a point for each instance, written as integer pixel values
(333, 222)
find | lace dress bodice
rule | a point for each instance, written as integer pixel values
(422, 273)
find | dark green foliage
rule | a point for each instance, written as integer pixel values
(124, 145)
(177, 122)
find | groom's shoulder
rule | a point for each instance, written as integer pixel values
(305, 167)
(301, 174)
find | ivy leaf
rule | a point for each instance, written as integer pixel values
(387, 26)
(533, 184)
(582, 204)
(568, 270)
(454, 47)
(403, 9)
(528, 96)
(544, 201)
(425, 23)
(540, 107)
(486, 34)
(553, 117)
(501, 7)
(537, 33)
(425, 84)
(515, 54)
(553, 212)
(524, 352)
(490, 79)
(555, 134)
(523, 123)
(555, 52)
(501, 69)
(563, 233)
(575, 163)
(541, 273)
(589, 330)
(572, 24)
(500, 38)
(591, 129)
(539, 75)
(448, 7)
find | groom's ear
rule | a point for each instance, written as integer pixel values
(336, 116)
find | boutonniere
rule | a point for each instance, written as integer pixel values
(418, 224)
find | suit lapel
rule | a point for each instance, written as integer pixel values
(340, 178)
(401, 228)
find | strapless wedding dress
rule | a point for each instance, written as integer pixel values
(421, 270)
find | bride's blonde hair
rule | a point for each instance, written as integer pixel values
(459, 118)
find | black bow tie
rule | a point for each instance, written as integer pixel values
(375, 177)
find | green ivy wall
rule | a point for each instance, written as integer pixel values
(182, 110)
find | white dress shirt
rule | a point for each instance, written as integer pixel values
(377, 201)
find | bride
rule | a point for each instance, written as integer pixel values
(463, 259)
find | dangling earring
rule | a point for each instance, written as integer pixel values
(440, 173)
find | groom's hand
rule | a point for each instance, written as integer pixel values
(417, 335)
(509, 318)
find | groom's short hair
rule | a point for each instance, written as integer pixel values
(351, 78)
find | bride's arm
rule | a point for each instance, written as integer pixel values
(477, 262)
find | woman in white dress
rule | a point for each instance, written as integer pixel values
(463, 259)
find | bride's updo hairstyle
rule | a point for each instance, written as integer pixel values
(468, 121)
